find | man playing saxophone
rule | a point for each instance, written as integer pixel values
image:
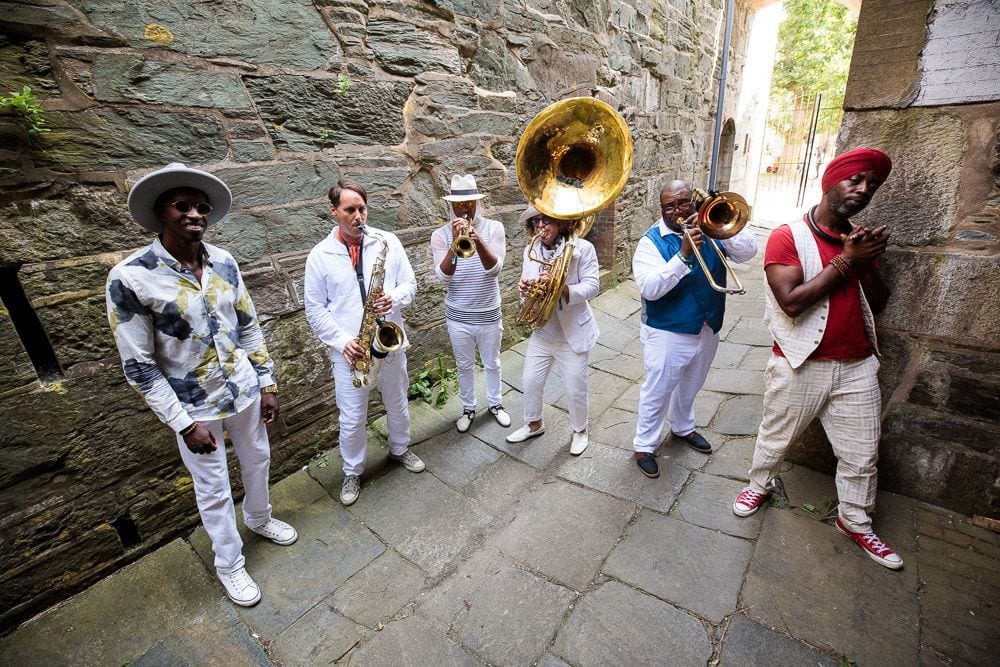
(340, 271)
(569, 334)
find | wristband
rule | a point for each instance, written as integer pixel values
(841, 264)
(687, 262)
(269, 389)
(189, 429)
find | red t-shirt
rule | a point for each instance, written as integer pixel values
(845, 336)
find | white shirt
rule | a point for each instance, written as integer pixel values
(332, 298)
(473, 292)
(656, 276)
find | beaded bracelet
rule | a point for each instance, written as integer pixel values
(189, 429)
(269, 389)
(687, 261)
(841, 264)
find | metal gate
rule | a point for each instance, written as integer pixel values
(799, 139)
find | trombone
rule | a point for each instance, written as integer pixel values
(721, 215)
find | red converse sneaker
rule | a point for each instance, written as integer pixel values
(748, 502)
(876, 549)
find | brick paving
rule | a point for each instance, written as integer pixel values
(521, 554)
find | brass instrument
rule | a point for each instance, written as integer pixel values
(573, 159)
(377, 337)
(721, 215)
(463, 245)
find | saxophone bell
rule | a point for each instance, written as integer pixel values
(378, 337)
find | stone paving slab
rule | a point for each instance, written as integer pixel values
(732, 459)
(617, 334)
(332, 546)
(747, 643)
(618, 625)
(501, 485)
(536, 452)
(601, 353)
(675, 451)
(622, 365)
(603, 390)
(749, 331)
(844, 603)
(629, 401)
(707, 501)
(613, 471)
(693, 568)
(413, 640)
(734, 381)
(458, 458)
(319, 637)
(506, 615)
(756, 359)
(615, 427)
(110, 624)
(738, 415)
(420, 517)
(564, 531)
(729, 355)
(378, 590)
(618, 303)
(706, 404)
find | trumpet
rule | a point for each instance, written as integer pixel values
(721, 215)
(463, 245)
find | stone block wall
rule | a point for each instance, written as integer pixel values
(280, 99)
(940, 373)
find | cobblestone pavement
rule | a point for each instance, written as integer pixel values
(521, 554)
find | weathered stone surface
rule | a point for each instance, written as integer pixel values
(739, 415)
(707, 501)
(253, 31)
(26, 64)
(133, 78)
(16, 368)
(280, 183)
(496, 68)
(618, 625)
(556, 514)
(411, 641)
(405, 49)
(747, 643)
(805, 563)
(732, 459)
(304, 114)
(128, 138)
(501, 485)
(615, 427)
(252, 236)
(457, 459)
(252, 151)
(379, 590)
(501, 612)
(320, 636)
(703, 575)
(734, 381)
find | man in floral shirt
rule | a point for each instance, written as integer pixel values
(189, 340)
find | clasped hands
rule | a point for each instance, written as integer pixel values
(864, 244)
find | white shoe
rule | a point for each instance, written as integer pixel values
(240, 588)
(277, 531)
(350, 491)
(465, 421)
(500, 415)
(525, 433)
(409, 460)
(579, 443)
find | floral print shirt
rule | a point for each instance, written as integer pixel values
(195, 351)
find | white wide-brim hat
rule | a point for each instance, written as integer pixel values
(147, 189)
(463, 188)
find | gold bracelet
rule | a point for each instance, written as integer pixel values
(189, 429)
(269, 389)
(841, 265)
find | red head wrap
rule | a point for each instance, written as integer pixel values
(854, 162)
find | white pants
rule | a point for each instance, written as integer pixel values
(845, 396)
(676, 366)
(352, 402)
(465, 338)
(210, 474)
(573, 369)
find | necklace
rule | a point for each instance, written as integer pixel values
(826, 236)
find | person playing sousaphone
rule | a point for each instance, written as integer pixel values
(569, 334)
(468, 256)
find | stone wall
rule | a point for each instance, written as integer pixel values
(279, 99)
(940, 372)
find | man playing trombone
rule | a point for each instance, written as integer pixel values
(681, 318)
(468, 256)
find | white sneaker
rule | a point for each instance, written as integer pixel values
(500, 415)
(351, 489)
(240, 588)
(409, 460)
(579, 443)
(465, 421)
(277, 531)
(525, 433)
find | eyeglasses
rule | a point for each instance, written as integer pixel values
(675, 205)
(184, 206)
(538, 222)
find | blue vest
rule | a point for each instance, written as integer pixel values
(693, 302)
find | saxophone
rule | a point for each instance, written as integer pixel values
(377, 337)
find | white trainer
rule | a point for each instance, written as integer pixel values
(525, 433)
(277, 531)
(409, 460)
(579, 443)
(465, 421)
(500, 414)
(240, 588)
(350, 491)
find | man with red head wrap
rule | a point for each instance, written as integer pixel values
(824, 286)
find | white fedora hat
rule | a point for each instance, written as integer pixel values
(147, 189)
(463, 188)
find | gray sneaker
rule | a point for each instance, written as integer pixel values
(409, 460)
(351, 489)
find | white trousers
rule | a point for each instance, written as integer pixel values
(573, 369)
(676, 366)
(465, 338)
(210, 474)
(845, 396)
(352, 402)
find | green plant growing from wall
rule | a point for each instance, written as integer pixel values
(27, 106)
(343, 84)
(434, 383)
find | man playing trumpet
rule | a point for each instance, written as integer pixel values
(472, 304)
(681, 318)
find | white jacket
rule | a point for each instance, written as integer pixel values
(332, 298)
(575, 318)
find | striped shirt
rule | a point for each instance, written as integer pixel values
(473, 292)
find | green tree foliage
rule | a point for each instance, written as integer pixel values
(814, 47)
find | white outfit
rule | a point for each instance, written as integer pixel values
(843, 394)
(566, 339)
(675, 364)
(472, 308)
(334, 308)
